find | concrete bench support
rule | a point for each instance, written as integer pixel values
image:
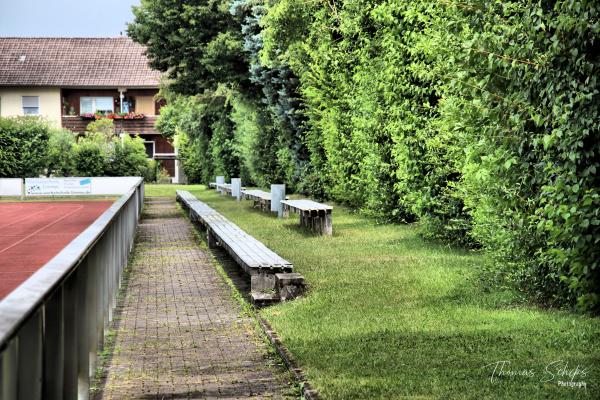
(236, 188)
(219, 180)
(277, 195)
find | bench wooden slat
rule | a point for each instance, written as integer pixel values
(306, 205)
(257, 194)
(244, 248)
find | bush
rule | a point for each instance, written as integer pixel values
(128, 157)
(189, 157)
(163, 176)
(61, 153)
(23, 147)
(91, 158)
(205, 122)
(478, 119)
(104, 127)
(151, 171)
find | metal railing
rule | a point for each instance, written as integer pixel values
(53, 324)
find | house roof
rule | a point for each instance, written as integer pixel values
(75, 62)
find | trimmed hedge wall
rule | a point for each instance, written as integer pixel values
(478, 119)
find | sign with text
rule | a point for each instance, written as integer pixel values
(57, 186)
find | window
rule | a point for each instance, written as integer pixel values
(31, 105)
(91, 105)
(149, 149)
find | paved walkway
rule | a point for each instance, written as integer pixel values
(180, 333)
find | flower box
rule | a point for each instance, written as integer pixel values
(128, 116)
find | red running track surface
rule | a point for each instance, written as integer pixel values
(32, 233)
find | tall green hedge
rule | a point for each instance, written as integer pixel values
(478, 119)
(525, 83)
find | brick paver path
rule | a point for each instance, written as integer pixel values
(180, 333)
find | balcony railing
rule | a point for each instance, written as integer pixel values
(53, 324)
(78, 124)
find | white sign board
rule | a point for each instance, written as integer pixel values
(102, 186)
(57, 187)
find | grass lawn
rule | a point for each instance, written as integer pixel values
(389, 315)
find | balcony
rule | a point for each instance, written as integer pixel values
(78, 124)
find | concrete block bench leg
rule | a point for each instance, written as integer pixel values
(327, 228)
(305, 219)
(220, 180)
(263, 287)
(315, 221)
(289, 285)
(211, 240)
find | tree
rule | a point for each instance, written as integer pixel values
(197, 42)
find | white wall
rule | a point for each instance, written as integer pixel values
(113, 185)
(10, 186)
(100, 185)
(11, 104)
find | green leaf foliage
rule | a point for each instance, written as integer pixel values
(524, 83)
(128, 157)
(23, 147)
(477, 119)
(197, 42)
(91, 158)
(61, 147)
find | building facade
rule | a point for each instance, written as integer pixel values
(72, 81)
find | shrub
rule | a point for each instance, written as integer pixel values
(23, 147)
(189, 156)
(151, 171)
(104, 127)
(222, 146)
(476, 118)
(91, 158)
(163, 176)
(128, 157)
(61, 153)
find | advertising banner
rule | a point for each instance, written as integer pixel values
(57, 186)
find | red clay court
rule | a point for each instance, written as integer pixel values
(31, 233)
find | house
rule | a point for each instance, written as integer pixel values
(69, 80)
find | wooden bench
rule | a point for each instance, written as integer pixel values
(212, 185)
(271, 276)
(224, 188)
(315, 216)
(260, 198)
